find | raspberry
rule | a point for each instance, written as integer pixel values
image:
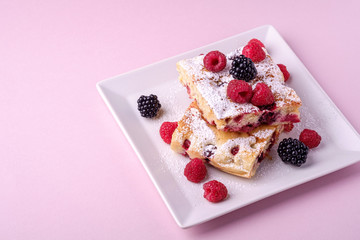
(215, 61)
(235, 150)
(166, 131)
(254, 51)
(186, 144)
(215, 191)
(242, 68)
(256, 41)
(262, 95)
(268, 117)
(288, 127)
(310, 138)
(239, 91)
(195, 171)
(284, 71)
(293, 151)
(148, 106)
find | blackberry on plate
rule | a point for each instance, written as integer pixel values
(148, 105)
(293, 151)
(242, 68)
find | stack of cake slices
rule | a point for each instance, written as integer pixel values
(233, 137)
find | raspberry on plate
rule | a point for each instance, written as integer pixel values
(215, 191)
(239, 91)
(215, 61)
(166, 131)
(195, 171)
(254, 51)
(310, 138)
(262, 95)
(284, 71)
(256, 41)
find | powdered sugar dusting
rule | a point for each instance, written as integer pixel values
(263, 134)
(175, 164)
(199, 127)
(245, 144)
(201, 135)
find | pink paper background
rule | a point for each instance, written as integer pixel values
(66, 169)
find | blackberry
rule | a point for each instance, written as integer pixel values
(148, 105)
(293, 151)
(242, 68)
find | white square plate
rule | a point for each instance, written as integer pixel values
(339, 148)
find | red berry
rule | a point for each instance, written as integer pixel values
(288, 127)
(215, 191)
(256, 41)
(195, 171)
(215, 61)
(310, 138)
(254, 51)
(239, 91)
(166, 131)
(235, 150)
(284, 71)
(262, 95)
(186, 144)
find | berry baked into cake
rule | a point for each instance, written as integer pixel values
(238, 153)
(241, 90)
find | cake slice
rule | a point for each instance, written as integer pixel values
(238, 153)
(209, 89)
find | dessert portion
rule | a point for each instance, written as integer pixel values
(210, 90)
(238, 153)
(241, 107)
